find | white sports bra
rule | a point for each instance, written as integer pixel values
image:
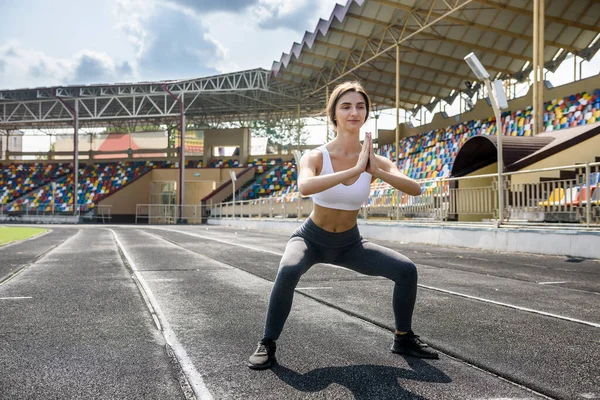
(340, 196)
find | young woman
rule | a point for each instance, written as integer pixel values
(338, 177)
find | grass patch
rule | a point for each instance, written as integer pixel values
(10, 234)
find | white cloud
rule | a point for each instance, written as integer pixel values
(172, 40)
(204, 6)
(24, 67)
(272, 14)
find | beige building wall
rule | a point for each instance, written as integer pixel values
(11, 141)
(144, 140)
(199, 183)
(124, 201)
(584, 152)
(239, 137)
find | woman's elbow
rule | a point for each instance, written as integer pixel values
(303, 189)
(416, 191)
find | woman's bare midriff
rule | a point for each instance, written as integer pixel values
(333, 220)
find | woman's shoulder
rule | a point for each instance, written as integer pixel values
(317, 152)
(313, 157)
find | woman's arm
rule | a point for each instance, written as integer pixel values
(310, 183)
(387, 171)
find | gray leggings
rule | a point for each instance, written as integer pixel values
(310, 245)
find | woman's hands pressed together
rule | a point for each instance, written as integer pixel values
(367, 162)
(372, 166)
(363, 158)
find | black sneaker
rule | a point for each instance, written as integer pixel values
(410, 345)
(264, 356)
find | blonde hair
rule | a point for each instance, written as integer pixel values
(339, 91)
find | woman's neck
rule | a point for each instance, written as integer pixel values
(347, 142)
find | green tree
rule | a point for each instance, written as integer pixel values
(283, 131)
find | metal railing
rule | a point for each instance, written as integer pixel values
(55, 213)
(527, 199)
(161, 214)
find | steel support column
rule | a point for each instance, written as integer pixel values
(298, 128)
(182, 160)
(76, 159)
(327, 116)
(397, 104)
(181, 188)
(538, 65)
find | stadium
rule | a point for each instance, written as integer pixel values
(164, 214)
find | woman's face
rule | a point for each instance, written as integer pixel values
(350, 112)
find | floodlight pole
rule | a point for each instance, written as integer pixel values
(499, 133)
(481, 74)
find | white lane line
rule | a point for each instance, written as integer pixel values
(314, 288)
(498, 303)
(234, 244)
(15, 298)
(222, 241)
(193, 376)
(551, 283)
(467, 296)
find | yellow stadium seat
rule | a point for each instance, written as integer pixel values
(557, 197)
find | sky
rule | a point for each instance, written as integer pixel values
(61, 42)
(65, 42)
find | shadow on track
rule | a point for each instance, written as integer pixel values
(364, 381)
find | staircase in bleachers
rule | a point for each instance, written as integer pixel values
(276, 178)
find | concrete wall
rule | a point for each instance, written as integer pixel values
(544, 240)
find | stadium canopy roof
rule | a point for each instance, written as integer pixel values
(239, 96)
(358, 41)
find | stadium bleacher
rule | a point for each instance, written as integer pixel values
(275, 178)
(17, 180)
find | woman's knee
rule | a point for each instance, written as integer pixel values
(408, 272)
(289, 273)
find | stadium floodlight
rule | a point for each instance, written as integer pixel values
(500, 95)
(476, 66)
